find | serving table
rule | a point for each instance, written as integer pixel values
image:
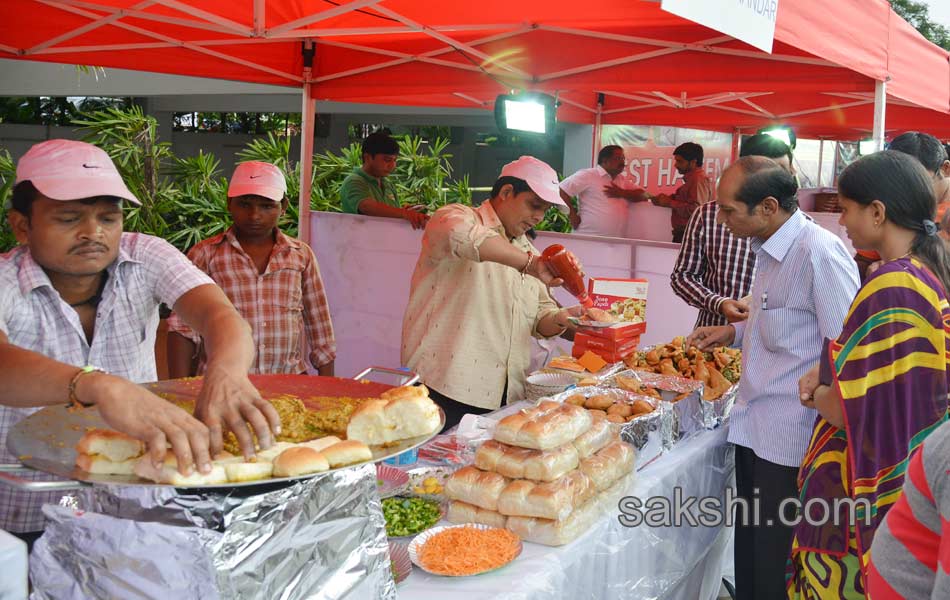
(614, 561)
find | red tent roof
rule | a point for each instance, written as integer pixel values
(653, 67)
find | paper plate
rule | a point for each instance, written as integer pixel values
(594, 324)
(401, 563)
(390, 481)
(416, 545)
(561, 380)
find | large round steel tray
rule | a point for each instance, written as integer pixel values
(46, 440)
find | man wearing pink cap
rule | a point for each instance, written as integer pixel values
(78, 314)
(272, 279)
(479, 293)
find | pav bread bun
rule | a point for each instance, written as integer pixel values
(168, 473)
(238, 472)
(301, 460)
(347, 453)
(113, 445)
(100, 465)
(320, 444)
(399, 414)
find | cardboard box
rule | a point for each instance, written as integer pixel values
(624, 298)
(606, 344)
(618, 332)
(610, 350)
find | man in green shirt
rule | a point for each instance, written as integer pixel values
(366, 191)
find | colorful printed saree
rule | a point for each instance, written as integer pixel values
(890, 366)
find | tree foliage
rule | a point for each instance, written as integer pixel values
(918, 15)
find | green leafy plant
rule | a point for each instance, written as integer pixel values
(130, 137)
(184, 200)
(7, 177)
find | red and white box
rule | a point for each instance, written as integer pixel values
(625, 299)
(608, 349)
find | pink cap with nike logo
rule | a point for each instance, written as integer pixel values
(541, 178)
(69, 170)
(258, 179)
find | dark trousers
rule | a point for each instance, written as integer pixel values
(455, 410)
(762, 549)
(29, 537)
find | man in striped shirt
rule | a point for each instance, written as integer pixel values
(714, 268)
(910, 556)
(805, 281)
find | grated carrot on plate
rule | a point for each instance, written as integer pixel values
(468, 550)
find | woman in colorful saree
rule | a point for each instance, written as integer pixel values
(882, 386)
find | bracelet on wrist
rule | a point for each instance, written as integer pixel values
(527, 265)
(74, 400)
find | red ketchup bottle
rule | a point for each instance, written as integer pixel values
(558, 261)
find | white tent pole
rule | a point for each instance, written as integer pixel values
(880, 106)
(306, 155)
(821, 157)
(595, 146)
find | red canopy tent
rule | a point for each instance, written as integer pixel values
(832, 66)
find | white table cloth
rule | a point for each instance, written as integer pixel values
(614, 561)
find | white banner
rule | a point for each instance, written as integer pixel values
(752, 21)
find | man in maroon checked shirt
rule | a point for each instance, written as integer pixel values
(696, 188)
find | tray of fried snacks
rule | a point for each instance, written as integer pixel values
(643, 421)
(718, 369)
(696, 406)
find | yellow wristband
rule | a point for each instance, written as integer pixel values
(73, 399)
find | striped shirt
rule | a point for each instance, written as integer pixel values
(148, 271)
(910, 556)
(286, 299)
(804, 283)
(713, 265)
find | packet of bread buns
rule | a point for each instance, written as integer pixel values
(550, 500)
(463, 512)
(474, 486)
(543, 427)
(557, 533)
(523, 463)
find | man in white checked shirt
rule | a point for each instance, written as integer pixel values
(78, 314)
(805, 281)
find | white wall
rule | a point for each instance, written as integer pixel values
(367, 262)
(578, 147)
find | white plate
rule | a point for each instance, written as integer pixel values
(561, 380)
(416, 545)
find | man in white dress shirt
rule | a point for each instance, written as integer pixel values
(603, 200)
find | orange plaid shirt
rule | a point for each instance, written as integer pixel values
(280, 304)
